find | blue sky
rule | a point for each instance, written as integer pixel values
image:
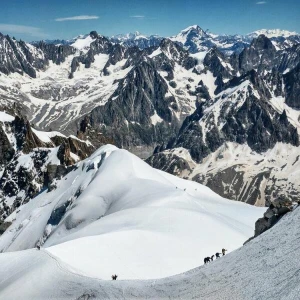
(43, 19)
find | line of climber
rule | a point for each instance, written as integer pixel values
(211, 258)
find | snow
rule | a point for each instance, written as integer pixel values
(4, 117)
(182, 36)
(293, 115)
(262, 269)
(55, 100)
(270, 33)
(46, 136)
(75, 157)
(199, 56)
(130, 219)
(83, 44)
(155, 53)
(156, 119)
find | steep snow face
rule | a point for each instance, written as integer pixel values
(125, 217)
(265, 268)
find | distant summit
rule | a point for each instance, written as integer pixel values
(271, 33)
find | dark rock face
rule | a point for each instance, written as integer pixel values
(6, 150)
(230, 183)
(127, 117)
(263, 56)
(213, 61)
(17, 57)
(260, 54)
(292, 87)
(274, 213)
(170, 163)
(57, 54)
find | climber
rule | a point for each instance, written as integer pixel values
(223, 251)
(212, 258)
(114, 277)
(38, 247)
(206, 260)
(217, 255)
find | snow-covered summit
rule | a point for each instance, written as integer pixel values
(271, 33)
(83, 42)
(122, 215)
(189, 33)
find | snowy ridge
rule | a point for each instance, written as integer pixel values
(238, 275)
(96, 208)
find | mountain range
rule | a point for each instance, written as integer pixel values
(229, 121)
(124, 155)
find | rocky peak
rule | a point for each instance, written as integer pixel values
(94, 34)
(276, 210)
(17, 57)
(261, 56)
(262, 43)
(292, 87)
(217, 63)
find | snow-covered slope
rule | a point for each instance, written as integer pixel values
(265, 268)
(114, 213)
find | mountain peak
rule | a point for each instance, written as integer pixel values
(194, 28)
(262, 42)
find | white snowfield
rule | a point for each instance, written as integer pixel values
(127, 218)
(267, 268)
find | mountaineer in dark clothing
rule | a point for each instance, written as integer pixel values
(212, 258)
(217, 255)
(223, 251)
(114, 277)
(206, 260)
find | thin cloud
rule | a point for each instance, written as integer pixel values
(261, 2)
(77, 18)
(138, 17)
(21, 29)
